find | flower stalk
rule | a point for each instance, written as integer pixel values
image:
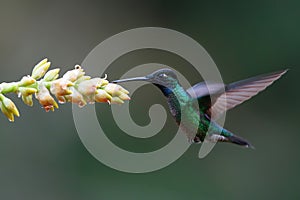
(74, 86)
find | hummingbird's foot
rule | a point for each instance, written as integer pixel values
(195, 140)
(216, 138)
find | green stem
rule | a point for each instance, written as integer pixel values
(1, 97)
(8, 87)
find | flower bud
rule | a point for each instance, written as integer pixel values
(40, 71)
(76, 97)
(23, 91)
(89, 87)
(124, 96)
(8, 114)
(45, 60)
(74, 74)
(27, 100)
(103, 83)
(60, 87)
(83, 78)
(116, 100)
(124, 90)
(114, 89)
(102, 96)
(26, 81)
(61, 99)
(8, 108)
(51, 75)
(45, 99)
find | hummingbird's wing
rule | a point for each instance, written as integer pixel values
(206, 93)
(233, 94)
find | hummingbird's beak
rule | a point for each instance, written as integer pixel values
(132, 79)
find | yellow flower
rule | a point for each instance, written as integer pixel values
(26, 81)
(40, 69)
(115, 90)
(60, 88)
(37, 66)
(124, 96)
(118, 93)
(89, 87)
(83, 78)
(8, 114)
(116, 100)
(26, 94)
(8, 108)
(27, 100)
(25, 91)
(52, 75)
(74, 74)
(102, 96)
(45, 99)
(73, 87)
(76, 97)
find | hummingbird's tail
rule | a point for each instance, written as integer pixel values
(228, 136)
(239, 141)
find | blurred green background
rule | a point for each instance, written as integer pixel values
(42, 156)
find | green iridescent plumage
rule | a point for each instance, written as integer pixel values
(193, 108)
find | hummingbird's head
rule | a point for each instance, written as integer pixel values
(161, 78)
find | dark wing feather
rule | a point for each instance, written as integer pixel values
(206, 93)
(238, 92)
(218, 101)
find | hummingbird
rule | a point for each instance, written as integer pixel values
(193, 108)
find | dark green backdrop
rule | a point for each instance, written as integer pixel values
(42, 156)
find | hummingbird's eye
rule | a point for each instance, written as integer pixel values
(163, 75)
